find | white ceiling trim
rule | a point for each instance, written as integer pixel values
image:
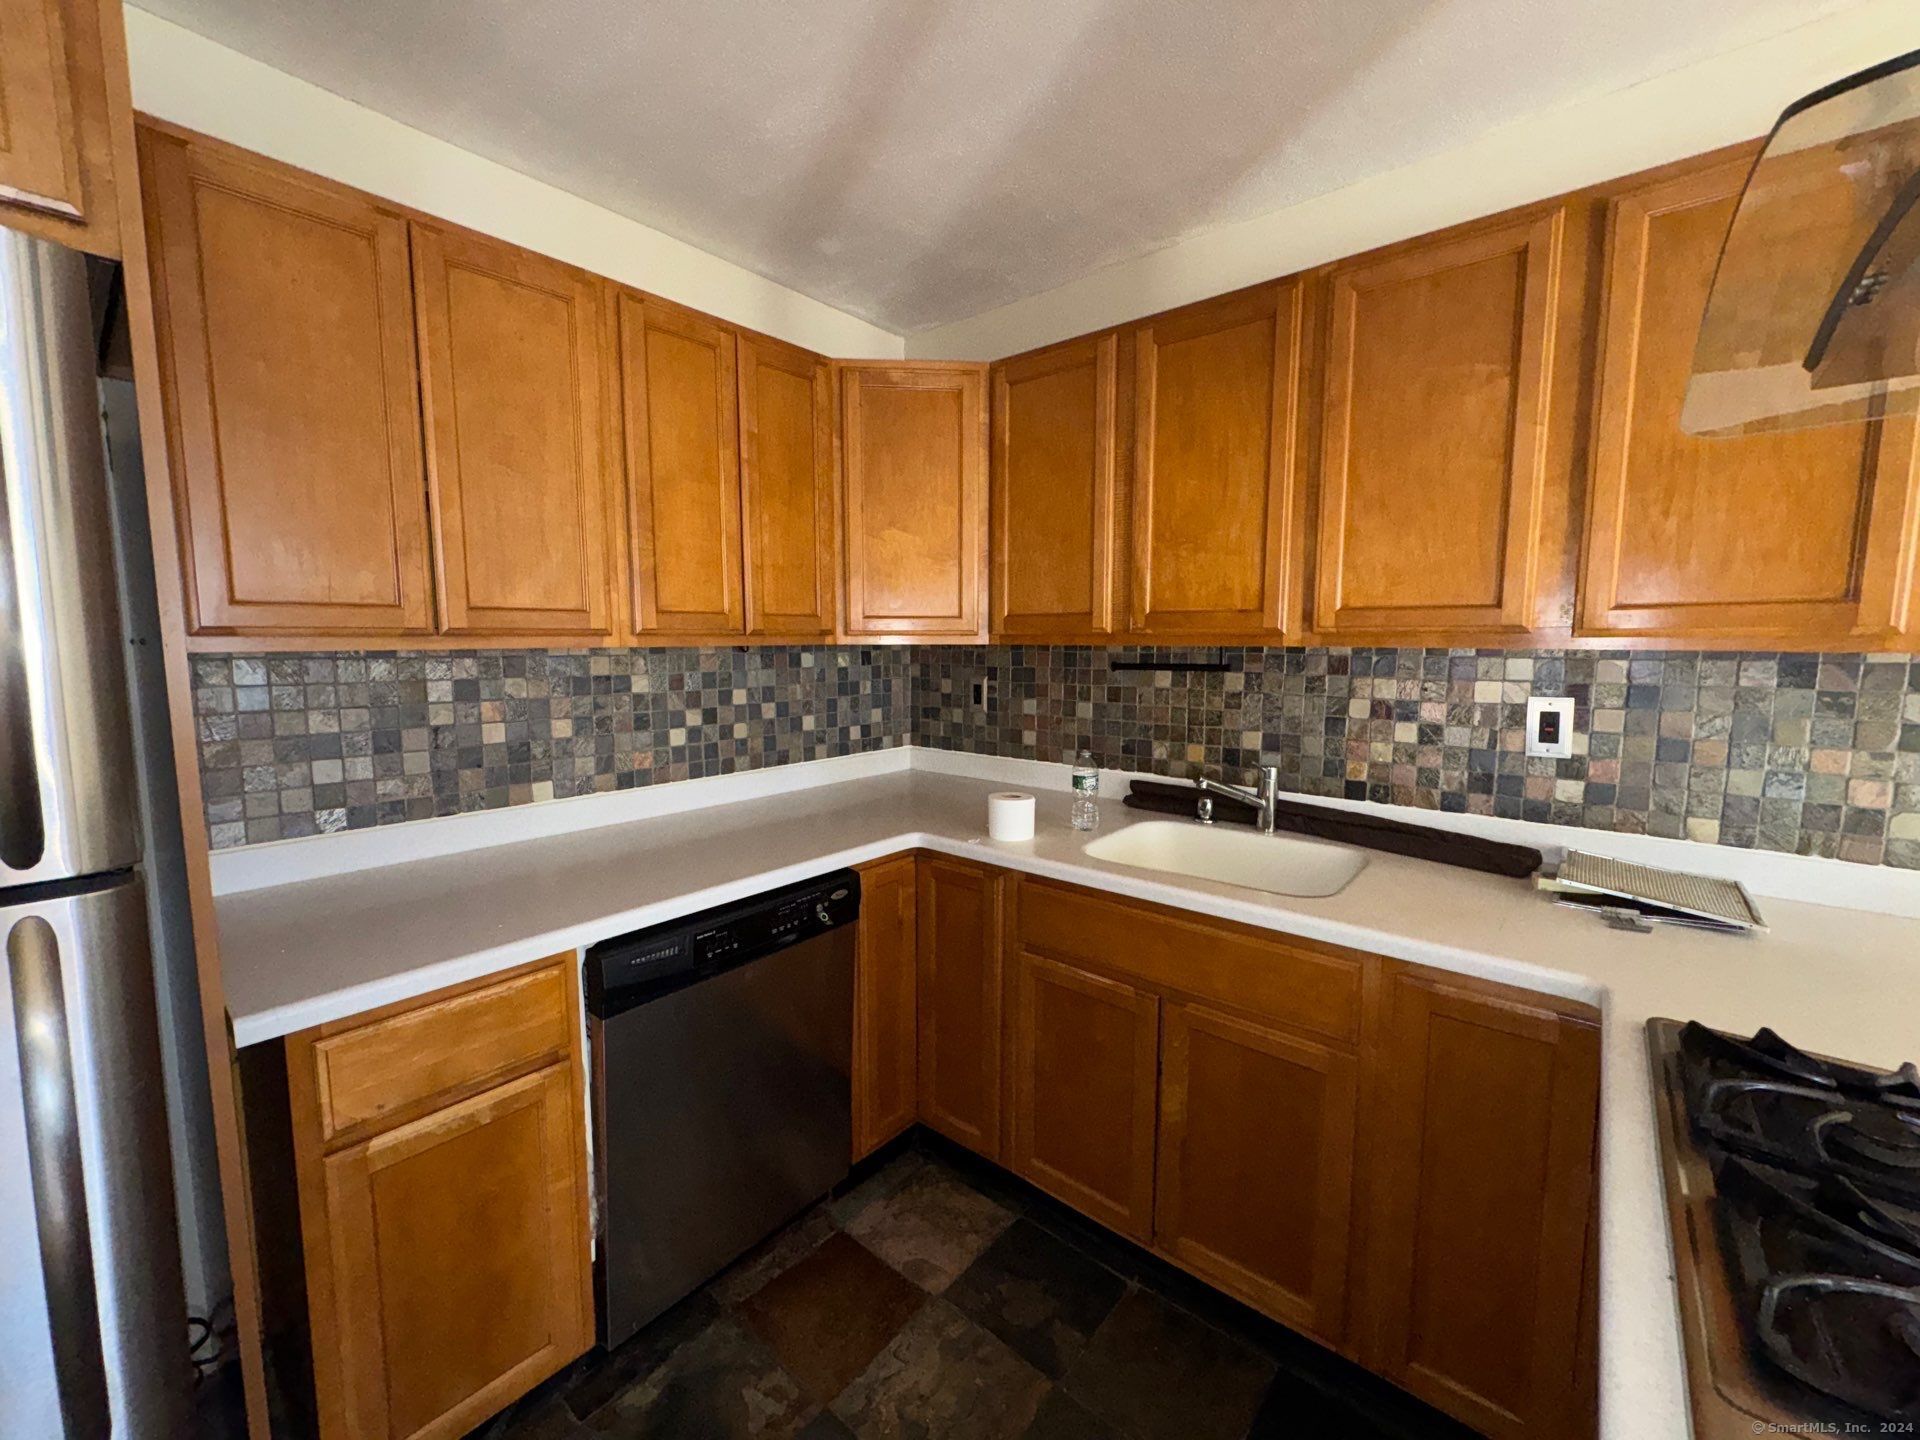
(192, 81)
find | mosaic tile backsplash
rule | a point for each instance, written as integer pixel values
(1815, 754)
(304, 744)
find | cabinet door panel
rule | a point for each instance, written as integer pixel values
(1435, 456)
(914, 439)
(683, 469)
(458, 1246)
(1053, 491)
(513, 357)
(1256, 1164)
(959, 1003)
(1804, 538)
(288, 353)
(886, 1043)
(39, 130)
(1214, 396)
(1481, 1193)
(787, 493)
(1085, 1056)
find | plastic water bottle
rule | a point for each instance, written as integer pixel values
(1086, 791)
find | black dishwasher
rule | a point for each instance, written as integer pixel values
(722, 1059)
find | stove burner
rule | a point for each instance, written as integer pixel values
(1813, 1129)
(1767, 1054)
(1815, 1327)
(1815, 1217)
(1885, 1138)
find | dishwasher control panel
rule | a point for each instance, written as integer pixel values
(622, 971)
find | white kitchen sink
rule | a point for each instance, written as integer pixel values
(1278, 864)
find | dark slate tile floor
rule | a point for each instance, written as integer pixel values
(936, 1298)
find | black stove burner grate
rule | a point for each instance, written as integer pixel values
(1817, 1172)
(1850, 1338)
(1767, 1056)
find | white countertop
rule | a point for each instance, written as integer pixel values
(1845, 982)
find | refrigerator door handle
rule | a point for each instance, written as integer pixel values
(51, 1109)
(22, 827)
(66, 737)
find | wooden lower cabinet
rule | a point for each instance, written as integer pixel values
(886, 1093)
(1084, 1056)
(447, 1239)
(1256, 1163)
(959, 1001)
(1205, 1088)
(1482, 1135)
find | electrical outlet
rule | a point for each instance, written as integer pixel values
(1550, 726)
(983, 694)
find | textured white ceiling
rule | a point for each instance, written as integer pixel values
(915, 162)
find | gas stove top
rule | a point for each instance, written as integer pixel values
(1793, 1186)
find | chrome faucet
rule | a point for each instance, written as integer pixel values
(1263, 797)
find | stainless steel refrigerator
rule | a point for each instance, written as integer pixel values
(91, 1309)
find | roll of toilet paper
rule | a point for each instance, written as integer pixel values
(1010, 815)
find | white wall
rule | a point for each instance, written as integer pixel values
(1732, 97)
(192, 81)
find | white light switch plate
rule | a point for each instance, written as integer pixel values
(1550, 715)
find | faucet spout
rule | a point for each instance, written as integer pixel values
(1262, 798)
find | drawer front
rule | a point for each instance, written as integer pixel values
(1296, 982)
(398, 1063)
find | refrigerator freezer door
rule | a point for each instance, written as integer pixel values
(68, 793)
(92, 1319)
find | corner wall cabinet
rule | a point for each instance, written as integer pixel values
(914, 456)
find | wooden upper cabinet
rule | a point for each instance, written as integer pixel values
(57, 161)
(39, 129)
(514, 349)
(1437, 478)
(885, 1025)
(959, 918)
(683, 470)
(1053, 501)
(1256, 1163)
(286, 324)
(1487, 1106)
(1798, 539)
(786, 489)
(1215, 390)
(913, 442)
(1084, 1063)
